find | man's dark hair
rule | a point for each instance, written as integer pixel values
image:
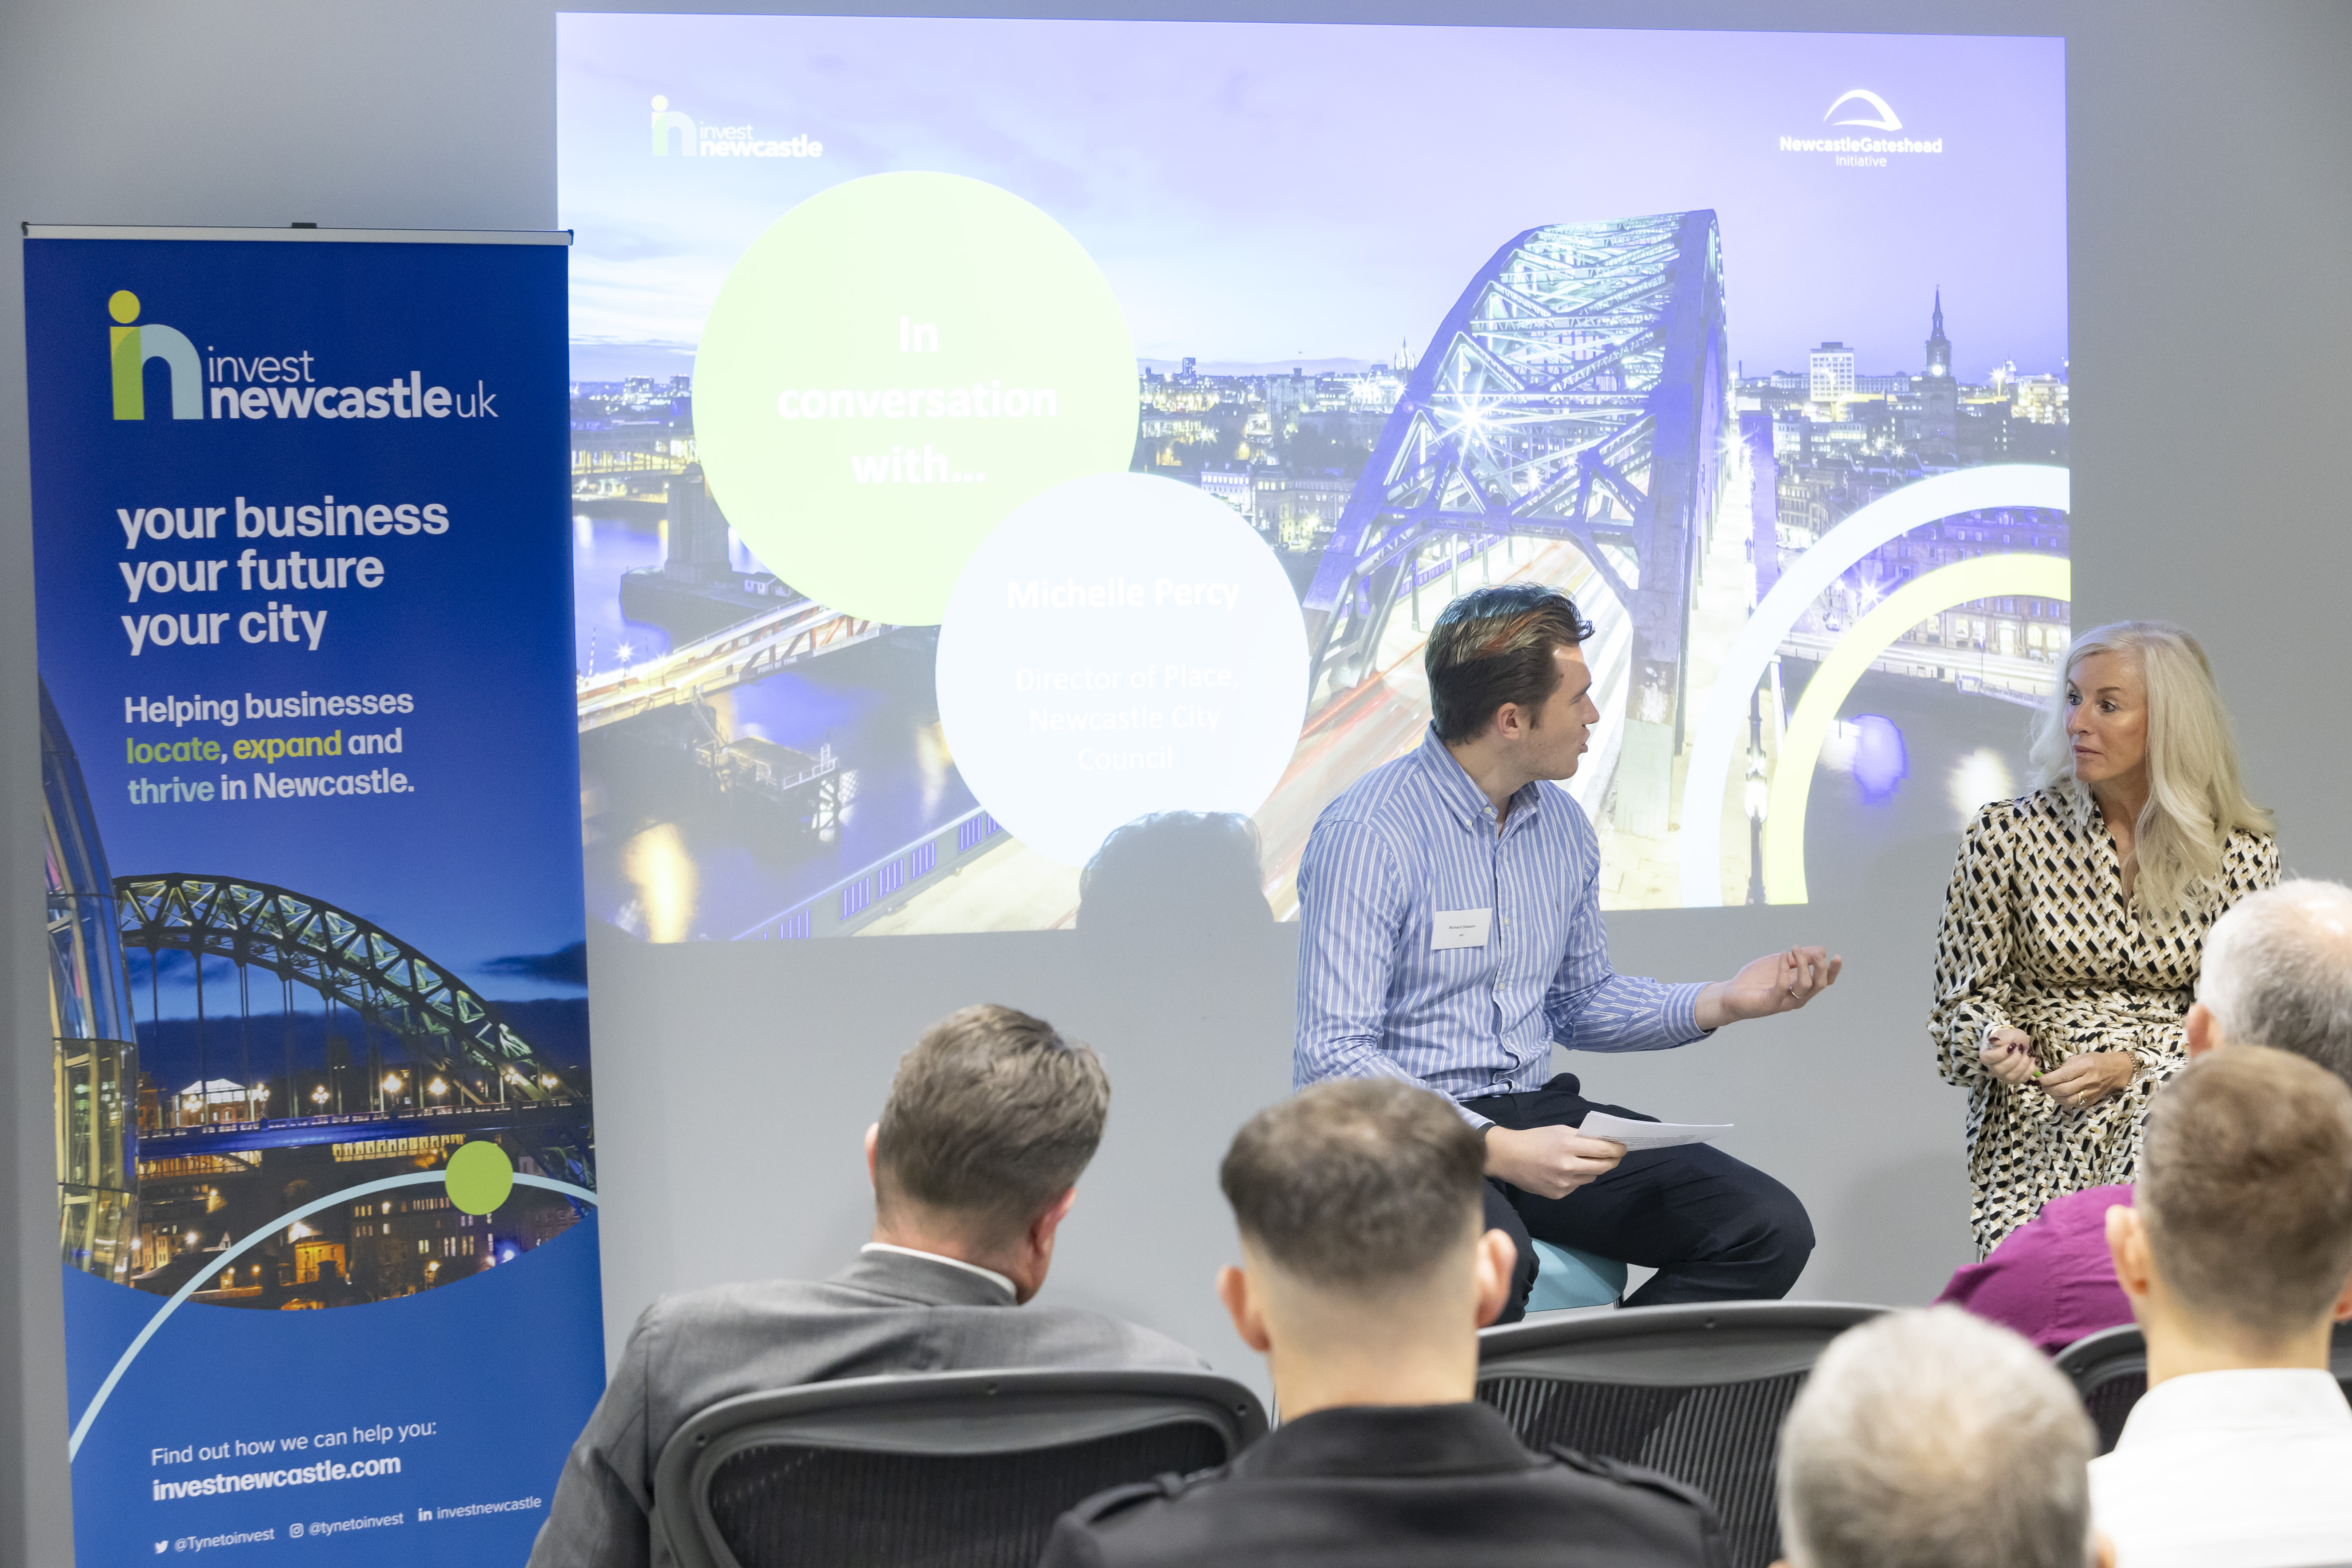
(1357, 1183)
(2245, 1188)
(991, 1115)
(1203, 863)
(1493, 645)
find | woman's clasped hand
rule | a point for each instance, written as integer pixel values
(2082, 1081)
(2008, 1055)
(2077, 1083)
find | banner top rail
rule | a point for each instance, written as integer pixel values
(347, 236)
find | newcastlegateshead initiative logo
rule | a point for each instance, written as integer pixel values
(674, 129)
(282, 386)
(1864, 109)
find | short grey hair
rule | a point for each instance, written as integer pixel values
(2277, 971)
(1933, 1439)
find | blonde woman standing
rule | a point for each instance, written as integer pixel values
(2068, 953)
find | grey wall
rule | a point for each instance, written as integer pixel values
(2211, 332)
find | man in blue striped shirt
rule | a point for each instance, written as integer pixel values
(1451, 935)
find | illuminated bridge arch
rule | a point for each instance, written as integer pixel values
(1576, 392)
(336, 954)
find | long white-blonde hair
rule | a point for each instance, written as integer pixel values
(2196, 792)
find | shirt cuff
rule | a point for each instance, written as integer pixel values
(1479, 1124)
(1681, 1012)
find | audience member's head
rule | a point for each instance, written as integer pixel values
(1366, 1276)
(1175, 875)
(1934, 1439)
(2239, 1245)
(2277, 971)
(990, 1121)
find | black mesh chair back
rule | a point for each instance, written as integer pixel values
(932, 1470)
(1697, 1392)
(2109, 1371)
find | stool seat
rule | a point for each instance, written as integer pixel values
(1567, 1278)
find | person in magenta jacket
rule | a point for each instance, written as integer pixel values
(2278, 973)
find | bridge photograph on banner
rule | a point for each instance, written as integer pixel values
(326, 1156)
(1016, 461)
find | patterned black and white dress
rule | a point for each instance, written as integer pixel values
(2037, 935)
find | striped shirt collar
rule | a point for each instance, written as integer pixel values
(1461, 793)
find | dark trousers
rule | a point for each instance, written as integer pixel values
(1715, 1229)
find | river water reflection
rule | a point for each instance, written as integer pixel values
(664, 858)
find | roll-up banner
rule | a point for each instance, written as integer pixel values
(326, 1168)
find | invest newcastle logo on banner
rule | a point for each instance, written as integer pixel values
(133, 346)
(1861, 108)
(675, 127)
(262, 386)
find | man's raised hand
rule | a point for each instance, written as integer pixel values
(1776, 983)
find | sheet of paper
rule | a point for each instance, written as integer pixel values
(1647, 1134)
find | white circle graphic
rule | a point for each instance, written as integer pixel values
(1118, 645)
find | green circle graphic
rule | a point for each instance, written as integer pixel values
(889, 370)
(479, 1177)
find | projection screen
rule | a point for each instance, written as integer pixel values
(1015, 460)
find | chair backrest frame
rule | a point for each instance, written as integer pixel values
(1629, 1383)
(2101, 1358)
(1691, 1344)
(944, 1414)
(2096, 1360)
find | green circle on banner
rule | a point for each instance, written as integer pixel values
(479, 1177)
(891, 369)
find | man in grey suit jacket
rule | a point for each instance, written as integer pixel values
(990, 1121)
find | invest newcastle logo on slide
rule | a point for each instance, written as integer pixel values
(1862, 108)
(261, 386)
(675, 127)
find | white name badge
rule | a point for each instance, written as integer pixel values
(1459, 928)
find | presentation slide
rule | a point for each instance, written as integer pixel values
(1013, 461)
